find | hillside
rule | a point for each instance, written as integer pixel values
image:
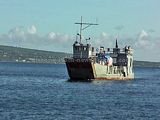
(146, 64)
(17, 54)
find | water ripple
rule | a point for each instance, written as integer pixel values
(42, 92)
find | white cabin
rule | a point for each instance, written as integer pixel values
(82, 51)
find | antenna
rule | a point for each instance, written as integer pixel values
(86, 25)
(116, 43)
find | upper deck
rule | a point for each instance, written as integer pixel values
(118, 56)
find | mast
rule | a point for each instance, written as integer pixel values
(116, 44)
(86, 25)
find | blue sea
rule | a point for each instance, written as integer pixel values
(42, 92)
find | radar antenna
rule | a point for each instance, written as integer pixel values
(86, 25)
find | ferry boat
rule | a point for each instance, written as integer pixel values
(90, 63)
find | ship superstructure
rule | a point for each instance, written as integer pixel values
(89, 63)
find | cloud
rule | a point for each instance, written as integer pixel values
(143, 35)
(108, 40)
(16, 33)
(32, 30)
(52, 35)
(58, 37)
(146, 47)
(29, 38)
(144, 42)
(104, 39)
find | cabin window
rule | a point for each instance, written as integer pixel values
(76, 48)
(79, 48)
(92, 49)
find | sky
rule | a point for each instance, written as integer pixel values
(49, 24)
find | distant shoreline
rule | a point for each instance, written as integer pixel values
(33, 56)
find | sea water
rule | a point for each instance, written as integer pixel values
(42, 92)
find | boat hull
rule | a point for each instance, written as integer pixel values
(88, 70)
(80, 70)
